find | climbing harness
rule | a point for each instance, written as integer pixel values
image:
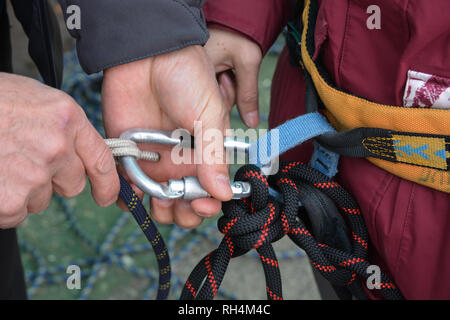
(412, 143)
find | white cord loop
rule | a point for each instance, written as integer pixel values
(128, 148)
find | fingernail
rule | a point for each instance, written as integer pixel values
(224, 183)
(252, 119)
(163, 203)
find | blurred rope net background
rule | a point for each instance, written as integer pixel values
(115, 259)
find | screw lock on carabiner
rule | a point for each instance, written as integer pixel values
(187, 188)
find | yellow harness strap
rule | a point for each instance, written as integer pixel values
(420, 147)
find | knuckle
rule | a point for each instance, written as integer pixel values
(39, 178)
(104, 163)
(68, 112)
(251, 57)
(67, 105)
(249, 98)
(13, 207)
(56, 148)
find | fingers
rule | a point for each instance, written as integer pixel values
(178, 211)
(13, 208)
(185, 214)
(13, 221)
(40, 199)
(162, 210)
(70, 179)
(230, 50)
(99, 164)
(28, 188)
(206, 208)
(247, 92)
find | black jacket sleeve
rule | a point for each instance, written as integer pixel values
(114, 32)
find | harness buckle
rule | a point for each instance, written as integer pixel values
(187, 188)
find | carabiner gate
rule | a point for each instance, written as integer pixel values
(188, 188)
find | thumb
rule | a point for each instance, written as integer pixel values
(99, 164)
(210, 156)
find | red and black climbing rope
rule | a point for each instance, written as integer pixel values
(257, 222)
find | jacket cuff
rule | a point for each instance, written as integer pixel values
(260, 20)
(115, 32)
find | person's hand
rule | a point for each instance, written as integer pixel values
(47, 146)
(237, 61)
(172, 91)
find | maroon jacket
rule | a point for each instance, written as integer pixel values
(409, 224)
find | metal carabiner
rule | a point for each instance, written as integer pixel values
(188, 188)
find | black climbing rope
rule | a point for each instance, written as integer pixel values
(258, 221)
(151, 233)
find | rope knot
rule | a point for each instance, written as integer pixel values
(253, 222)
(260, 220)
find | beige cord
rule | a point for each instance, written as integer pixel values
(124, 148)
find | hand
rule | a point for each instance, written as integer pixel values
(171, 91)
(231, 51)
(47, 145)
